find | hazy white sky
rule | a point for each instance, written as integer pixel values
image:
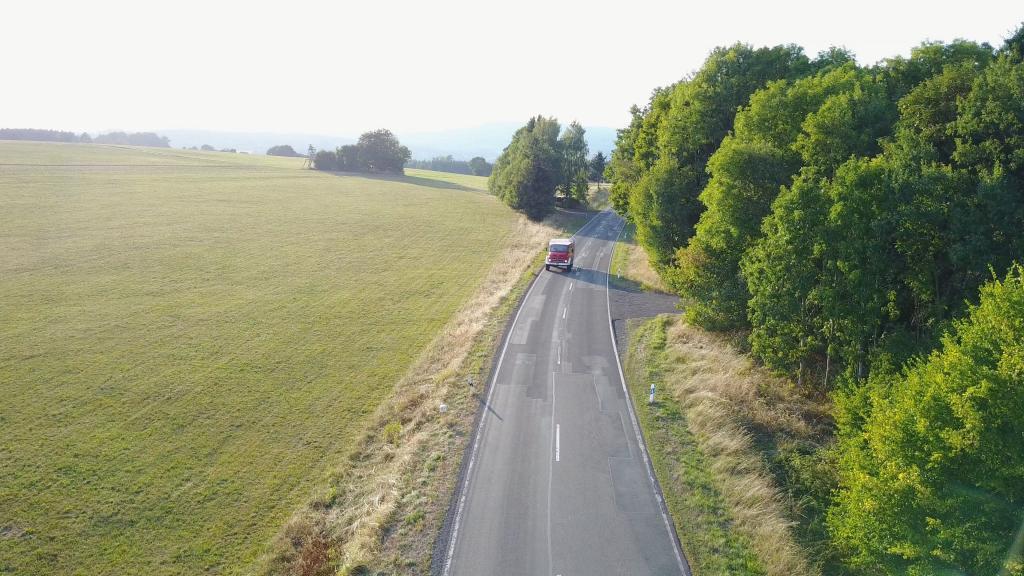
(345, 67)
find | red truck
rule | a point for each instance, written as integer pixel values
(561, 253)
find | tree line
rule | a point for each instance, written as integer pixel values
(120, 138)
(476, 166)
(377, 151)
(863, 227)
(543, 162)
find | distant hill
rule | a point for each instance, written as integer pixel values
(462, 144)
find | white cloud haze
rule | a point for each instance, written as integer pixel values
(345, 67)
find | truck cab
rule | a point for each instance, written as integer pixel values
(561, 254)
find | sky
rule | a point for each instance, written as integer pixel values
(346, 67)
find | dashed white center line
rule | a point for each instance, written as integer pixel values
(570, 286)
(558, 433)
(564, 312)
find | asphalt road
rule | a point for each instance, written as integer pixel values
(558, 481)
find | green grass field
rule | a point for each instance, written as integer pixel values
(189, 341)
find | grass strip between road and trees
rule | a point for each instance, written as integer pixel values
(726, 441)
(630, 264)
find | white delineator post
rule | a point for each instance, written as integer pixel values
(651, 399)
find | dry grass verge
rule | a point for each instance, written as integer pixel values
(382, 510)
(724, 436)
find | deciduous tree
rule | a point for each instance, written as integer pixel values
(529, 169)
(380, 151)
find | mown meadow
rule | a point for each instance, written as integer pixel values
(189, 341)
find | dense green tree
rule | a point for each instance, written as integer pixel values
(833, 57)
(350, 159)
(901, 74)
(325, 160)
(626, 165)
(932, 474)
(1013, 48)
(596, 167)
(478, 166)
(747, 172)
(282, 150)
(572, 146)
(905, 238)
(847, 124)
(529, 169)
(930, 109)
(380, 151)
(783, 269)
(679, 131)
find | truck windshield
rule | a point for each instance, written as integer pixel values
(560, 248)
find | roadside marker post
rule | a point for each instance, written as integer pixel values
(651, 399)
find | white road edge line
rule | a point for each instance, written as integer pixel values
(551, 475)
(683, 566)
(558, 433)
(483, 419)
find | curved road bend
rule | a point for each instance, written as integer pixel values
(558, 482)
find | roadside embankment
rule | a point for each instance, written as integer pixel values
(733, 448)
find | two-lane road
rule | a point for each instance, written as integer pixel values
(558, 481)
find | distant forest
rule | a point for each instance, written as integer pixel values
(123, 138)
(478, 166)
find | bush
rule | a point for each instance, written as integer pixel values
(283, 150)
(325, 160)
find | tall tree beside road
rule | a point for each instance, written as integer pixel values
(747, 172)
(529, 169)
(850, 217)
(932, 479)
(679, 131)
(624, 167)
(573, 146)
